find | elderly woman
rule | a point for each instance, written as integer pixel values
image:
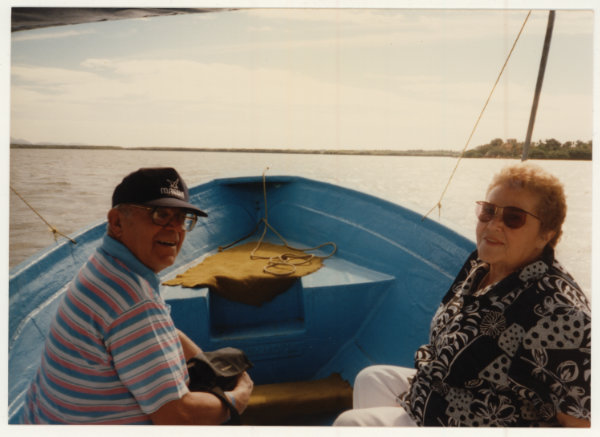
(510, 343)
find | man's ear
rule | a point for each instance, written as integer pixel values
(115, 226)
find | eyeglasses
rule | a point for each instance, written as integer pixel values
(512, 216)
(176, 217)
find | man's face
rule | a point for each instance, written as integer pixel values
(155, 246)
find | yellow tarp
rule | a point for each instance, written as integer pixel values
(235, 276)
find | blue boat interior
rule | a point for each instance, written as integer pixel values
(370, 303)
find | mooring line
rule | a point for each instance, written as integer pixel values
(55, 232)
(288, 261)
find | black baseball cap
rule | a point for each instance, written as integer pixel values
(155, 187)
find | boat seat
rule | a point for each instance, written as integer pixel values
(315, 402)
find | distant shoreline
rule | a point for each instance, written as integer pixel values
(485, 151)
(447, 153)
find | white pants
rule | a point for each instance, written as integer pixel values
(374, 400)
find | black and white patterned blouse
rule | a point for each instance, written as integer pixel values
(512, 355)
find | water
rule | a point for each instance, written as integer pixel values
(72, 188)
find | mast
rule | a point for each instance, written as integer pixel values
(538, 86)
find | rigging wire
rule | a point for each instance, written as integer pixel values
(439, 203)
(55, 232)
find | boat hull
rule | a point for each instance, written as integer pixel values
(371, 303)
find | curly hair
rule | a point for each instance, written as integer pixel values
(552, 204)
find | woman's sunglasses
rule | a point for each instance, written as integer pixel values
(512, 216)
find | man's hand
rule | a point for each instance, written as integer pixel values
(242, 391)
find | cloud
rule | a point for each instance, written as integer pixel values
(236, 106)
(410, 29)
(33, 35)
(95, 63)
(423, 23)
(260, 29)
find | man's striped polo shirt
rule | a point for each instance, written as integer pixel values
(113, 354)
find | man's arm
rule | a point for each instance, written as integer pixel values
(194, 408)
(190, 349)
(200, 408)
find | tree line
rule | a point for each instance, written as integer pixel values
(547, 149)
(497, 148)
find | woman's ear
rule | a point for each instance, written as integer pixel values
(545, 237)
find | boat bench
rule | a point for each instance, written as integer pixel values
(298, 403)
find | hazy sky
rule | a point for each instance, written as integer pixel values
(302, 78)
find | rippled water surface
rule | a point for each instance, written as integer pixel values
(72, 188)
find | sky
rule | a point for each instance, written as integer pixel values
(335, 78)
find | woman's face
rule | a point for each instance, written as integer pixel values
(506, 249)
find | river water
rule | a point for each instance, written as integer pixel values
(71, 188)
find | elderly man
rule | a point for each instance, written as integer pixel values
(113, 355)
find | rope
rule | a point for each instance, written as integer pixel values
(439, 203)
(55, 232)
(286, 261)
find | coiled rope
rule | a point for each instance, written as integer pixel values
(55, 232)
(439, 203)
(286, 261)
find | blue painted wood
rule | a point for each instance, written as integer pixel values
(370, 303)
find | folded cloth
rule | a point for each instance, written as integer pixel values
(234, 275)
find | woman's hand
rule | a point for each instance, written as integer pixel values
(570, 421)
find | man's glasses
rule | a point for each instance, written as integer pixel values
(176, 217)
(512, 216)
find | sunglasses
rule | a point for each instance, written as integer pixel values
(168, 216)
(512, 216)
